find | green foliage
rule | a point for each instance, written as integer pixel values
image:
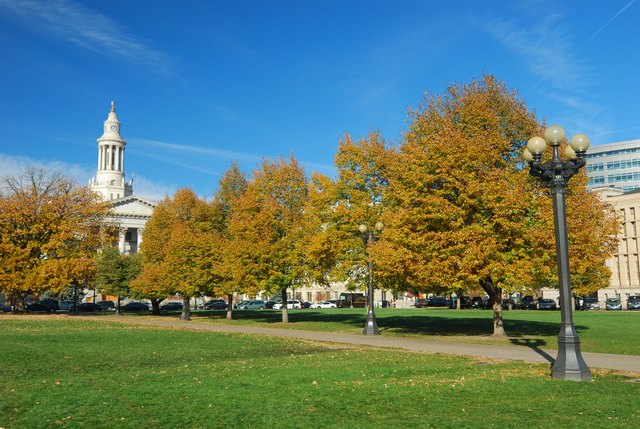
(115, 271)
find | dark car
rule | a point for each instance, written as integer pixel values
(515, 305)
(384, 303)
(477, 302)
(5, 308)
(465, 302)
(613, 304)
(591, 304)
(215, 304)
(46, 305)
(135, 306)
(269, 304)
(107, 305)
(437, 301)
(528, 303)
(420, 303)
(633, 302)
(88, 307)
(171, 306)
(547, 304)
(305, 304)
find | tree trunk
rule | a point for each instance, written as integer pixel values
(285, 309)
(155, 306)
(229, 306)
(459, 300)
(186, 308)
(495, 296)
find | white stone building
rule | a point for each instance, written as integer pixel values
(130, 212)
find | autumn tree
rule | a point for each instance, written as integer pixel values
(335, 248)
(464, 214)
(50, 231)
(178, 250)
(231, 187)
(267, 228)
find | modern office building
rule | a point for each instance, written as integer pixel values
(614, 164)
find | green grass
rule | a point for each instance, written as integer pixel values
(601, 332)
(62, 372)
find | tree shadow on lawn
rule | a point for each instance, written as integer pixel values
(431, 324)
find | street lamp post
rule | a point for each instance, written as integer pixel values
(368, 237)
(569, 364)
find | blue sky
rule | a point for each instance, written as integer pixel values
(199, 84)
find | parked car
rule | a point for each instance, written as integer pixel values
(5, 308)
(135, 306)
(292, 303)
(306, 304)
(613, 304)
(256, 304)
(215, 304)
(88, 307)
(65, 306)
(46, 305)
(171, 306)
(515, 305)
(547, 304)
(107, 305)
(633, 302)
(437, 301)
(528, 303)
(465, 302)
(477, 302)
(591, 304)
(385, 304)
(269, 304)
(420, 303)
(324, 304)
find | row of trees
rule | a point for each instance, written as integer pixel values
(459, 208)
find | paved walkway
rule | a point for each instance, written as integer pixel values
(523, 352)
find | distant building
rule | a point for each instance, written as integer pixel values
(130, 212)
(625, 263)
(614, 164)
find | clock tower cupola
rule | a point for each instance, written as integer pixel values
(109, 180)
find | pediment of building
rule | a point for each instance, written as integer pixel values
(132, 206)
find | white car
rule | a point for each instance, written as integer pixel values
(324, 304)
(292, 303)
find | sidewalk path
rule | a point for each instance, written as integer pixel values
(524, 352)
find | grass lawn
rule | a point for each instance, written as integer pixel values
(61, 372)
(599, 331)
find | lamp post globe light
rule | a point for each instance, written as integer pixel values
(369, 235)
(569, 364)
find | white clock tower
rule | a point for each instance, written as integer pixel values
(109, 180)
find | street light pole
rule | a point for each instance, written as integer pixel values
(368, 237)
(569, 364)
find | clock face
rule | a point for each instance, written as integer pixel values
(114, 127)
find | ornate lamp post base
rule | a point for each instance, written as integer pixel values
(371, 327)
(569, 364)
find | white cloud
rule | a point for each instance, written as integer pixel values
(11, 165)
(83, 27)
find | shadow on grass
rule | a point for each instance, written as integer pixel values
(428, 323)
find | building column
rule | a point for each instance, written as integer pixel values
(122, 234)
